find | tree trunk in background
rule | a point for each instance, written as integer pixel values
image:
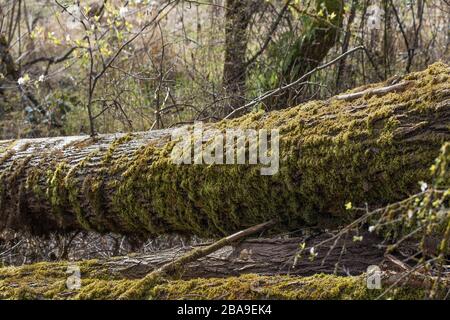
(7, 66)
(373, 149)
(342, 70)
(237, 19)
(312, 46)
(387, 53)
(10, 71)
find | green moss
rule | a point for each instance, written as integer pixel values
(114, 145)
(371, 150)
(56, 192)
(71, 184)
(7, 146)
(423, 219)
(6, 156)
(317, 287)
(47, 280)
(441, 168)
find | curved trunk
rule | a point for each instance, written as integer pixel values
(369, 149)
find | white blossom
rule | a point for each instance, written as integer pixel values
(410, 214)
(123, 11)
(23, 80)
(423, 186)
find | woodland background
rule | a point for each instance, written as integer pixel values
(118, 66)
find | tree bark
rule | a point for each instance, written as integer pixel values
(311, 47)
(263, 256)
(237, 19)
(253, 269)
(342, 71)
(373, 149)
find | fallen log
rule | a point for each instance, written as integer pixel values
(263, 256)
(373, 149)
(177, 265)
(49, 281)
(252, 269)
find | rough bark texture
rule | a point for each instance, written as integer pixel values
(342, 71)
(238, 16)
(373, 149)
(262, 256)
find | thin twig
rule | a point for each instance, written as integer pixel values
(296, 82)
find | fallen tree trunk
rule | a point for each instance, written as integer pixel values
(373, 149)
(263, 256)
(50, 281)
(252, 269)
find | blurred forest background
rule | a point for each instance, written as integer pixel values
(88, 67)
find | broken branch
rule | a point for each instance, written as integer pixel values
(374, 92)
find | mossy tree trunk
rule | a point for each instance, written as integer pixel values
(373, 149)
